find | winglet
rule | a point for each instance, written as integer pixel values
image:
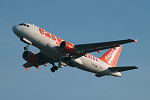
(26, 68)
(136, 40)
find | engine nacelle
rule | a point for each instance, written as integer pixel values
(30, 57)
(67, 47)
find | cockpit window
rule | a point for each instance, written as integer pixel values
(24, 24)
(21, 24)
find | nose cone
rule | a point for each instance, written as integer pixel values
(14, 28)
(17, 30)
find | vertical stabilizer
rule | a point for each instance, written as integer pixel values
(111, 57)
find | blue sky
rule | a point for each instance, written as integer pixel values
(76, 21)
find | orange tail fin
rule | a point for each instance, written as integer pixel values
(111, 57)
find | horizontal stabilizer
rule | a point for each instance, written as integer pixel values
(121, 69)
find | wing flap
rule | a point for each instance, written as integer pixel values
(27, 64)
(121, 69)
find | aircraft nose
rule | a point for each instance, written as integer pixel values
(14, 28)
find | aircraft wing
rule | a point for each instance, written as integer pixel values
(87, 48)
(42, 61)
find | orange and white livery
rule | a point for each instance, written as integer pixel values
(56, 50)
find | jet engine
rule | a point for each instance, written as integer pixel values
(30, 57)
(67, 47)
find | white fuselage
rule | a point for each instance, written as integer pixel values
(49, 45)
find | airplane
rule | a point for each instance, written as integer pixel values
(56, 50)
